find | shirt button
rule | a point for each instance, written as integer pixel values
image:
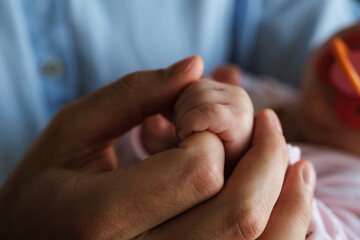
(52, 68)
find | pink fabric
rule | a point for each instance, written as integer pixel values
(336, 207)
(139, 149)
(125, 149)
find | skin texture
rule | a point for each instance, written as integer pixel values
(159, 134)
(215, 103)
(68, 186)
(208, 93)
(220, 108)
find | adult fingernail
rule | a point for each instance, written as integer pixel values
(276, 121)
(180, 67)
(308, 175)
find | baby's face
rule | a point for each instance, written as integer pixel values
(328, 117)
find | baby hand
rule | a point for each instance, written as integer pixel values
(158, 133)
(223, 109)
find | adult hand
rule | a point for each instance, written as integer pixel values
(68, 185)
(249, 206)
(158, 133)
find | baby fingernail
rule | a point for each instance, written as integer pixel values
(309, 176)
(180, 67)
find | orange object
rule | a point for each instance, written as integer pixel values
(341, 51)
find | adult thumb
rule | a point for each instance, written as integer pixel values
(291, 215)
(117, 107)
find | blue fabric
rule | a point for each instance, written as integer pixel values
(97, 41)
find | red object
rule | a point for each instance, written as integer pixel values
(347, 110)
(339, 79)
(346, 101)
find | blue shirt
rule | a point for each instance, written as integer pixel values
(54, 51)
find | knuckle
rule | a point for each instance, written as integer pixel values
(129, 82)
(198, 118)
(97, 226)
(207, 177)
(206, 95)
(134, 87)
(201, 91)
(209, 110)
(200, 97)
(248, 220)
(137, 82)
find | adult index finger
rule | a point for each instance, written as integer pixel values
(138, 198)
